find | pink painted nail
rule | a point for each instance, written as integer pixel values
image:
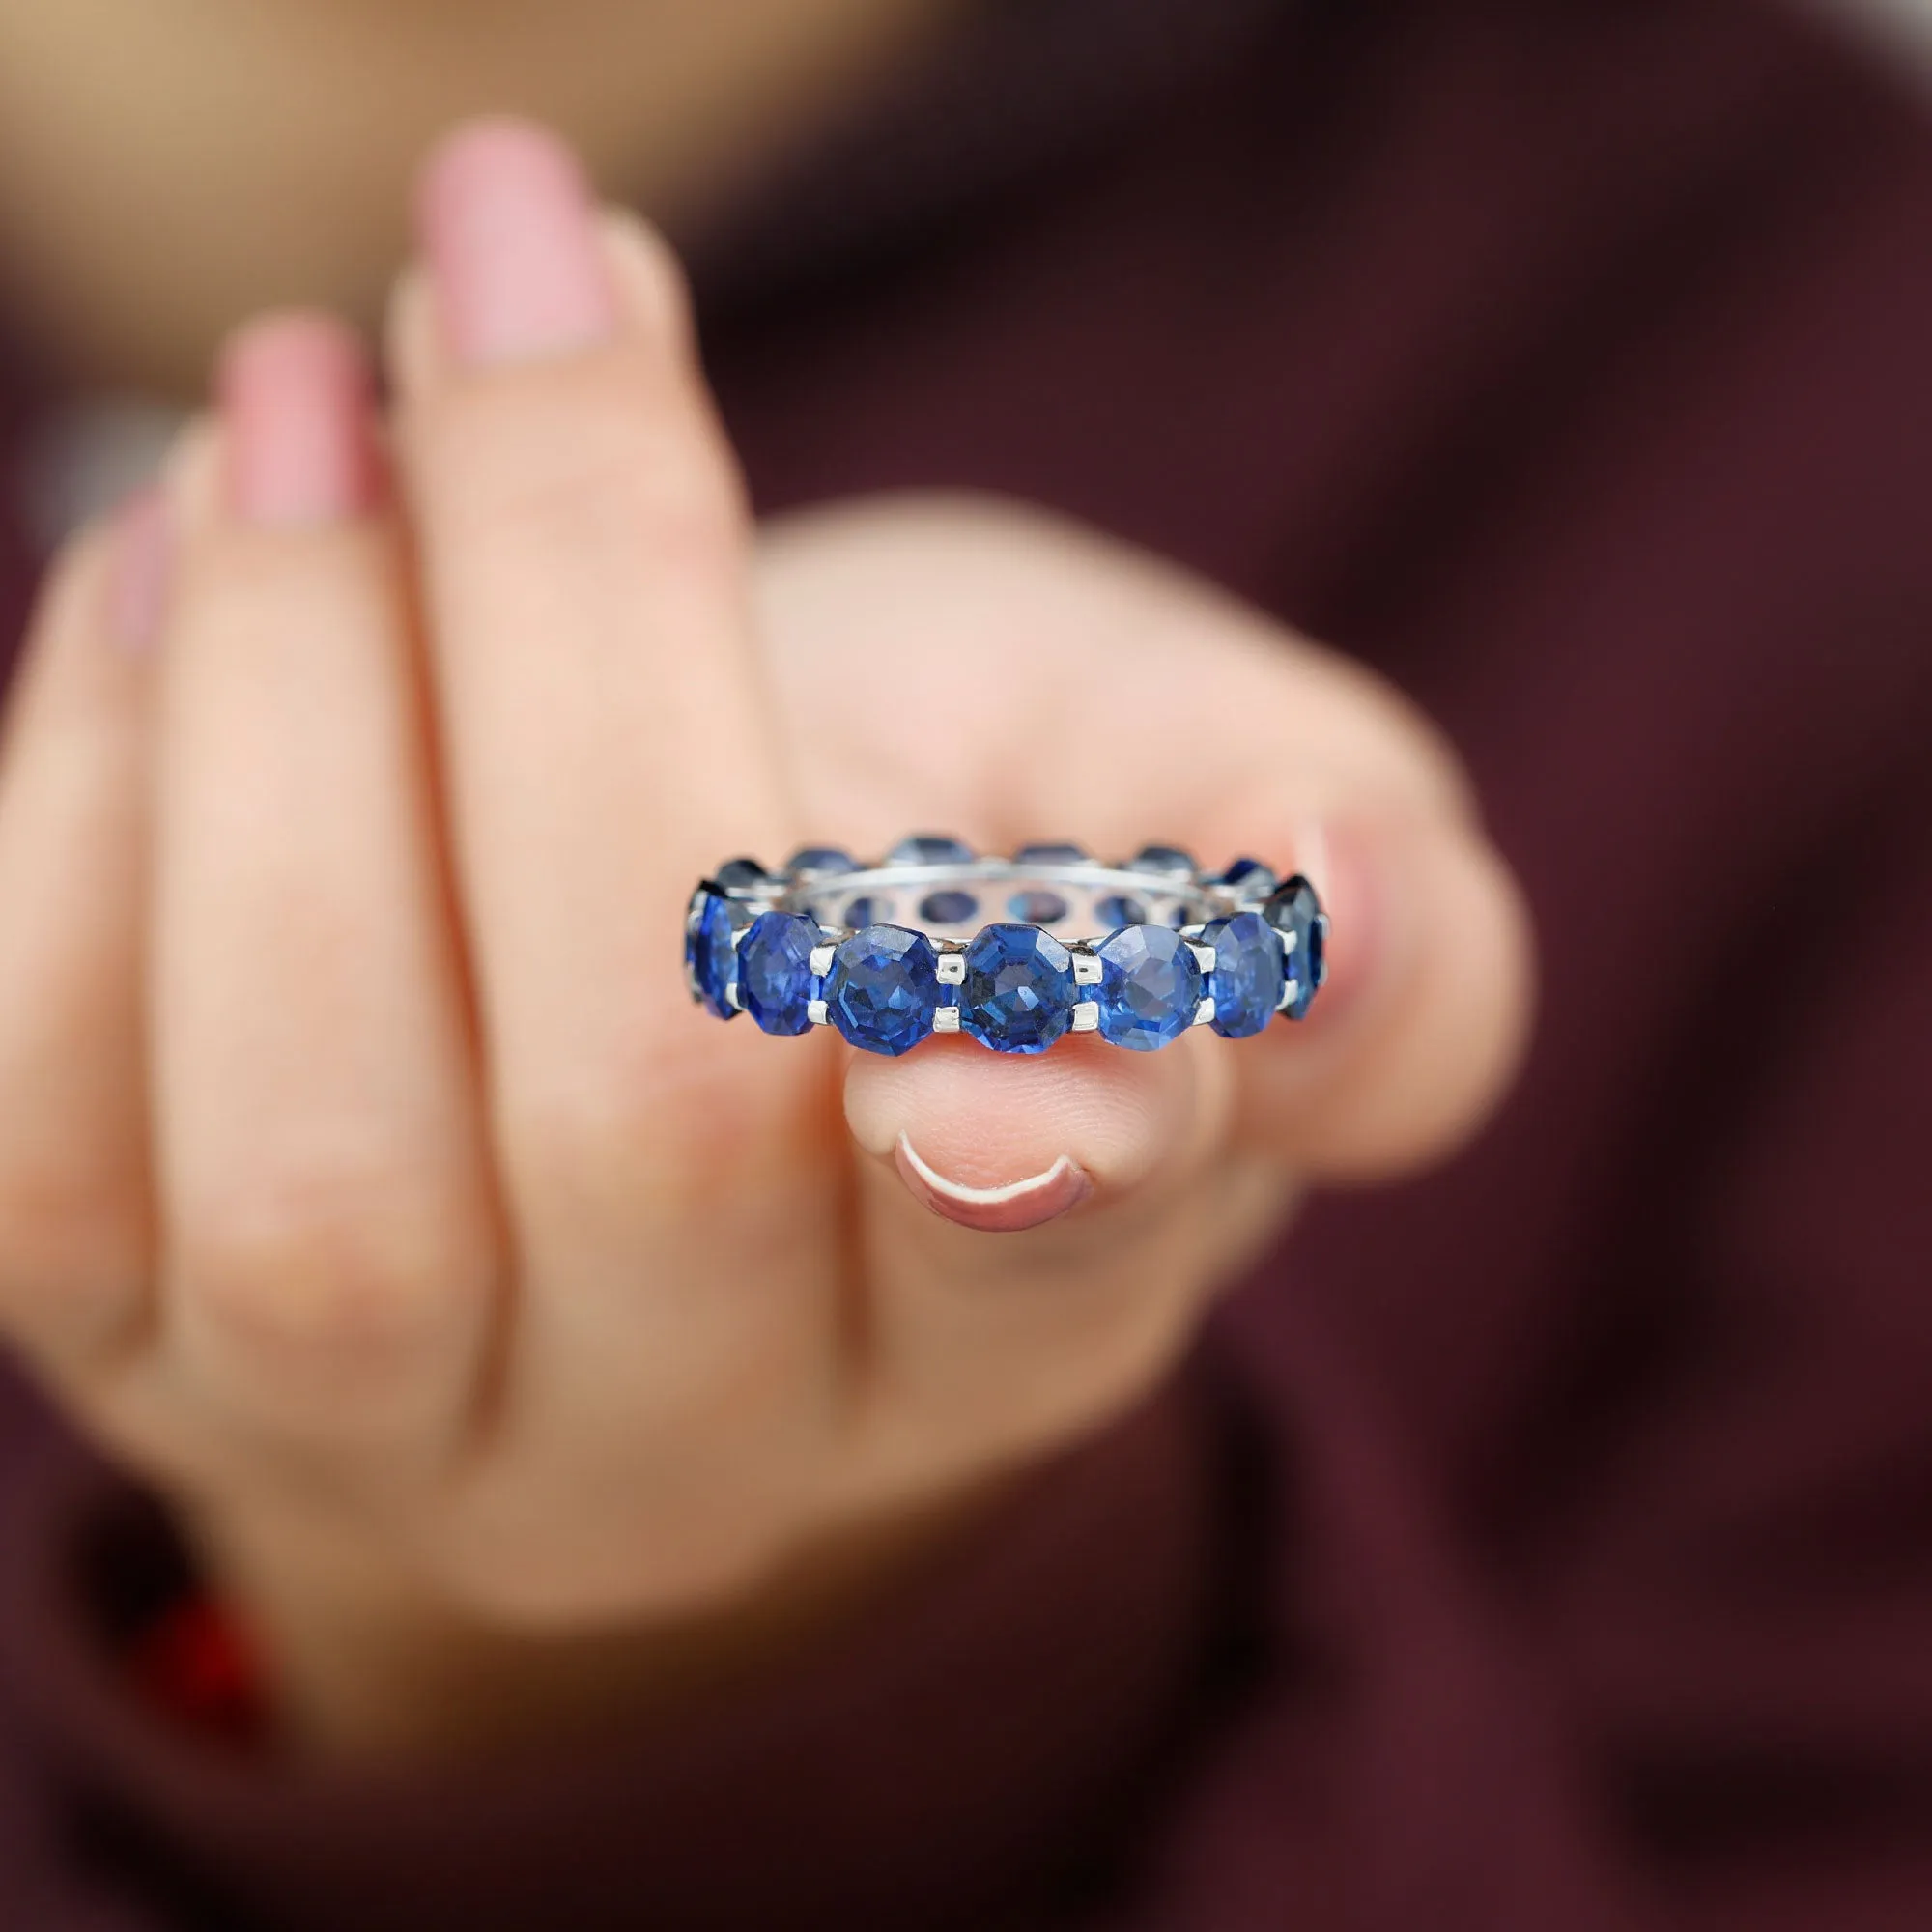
(996, 1211)
(299, 423)
(141, 560)
(509, 229)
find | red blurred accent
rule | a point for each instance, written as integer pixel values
(193, 1664)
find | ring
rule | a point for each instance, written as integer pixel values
(816, 944)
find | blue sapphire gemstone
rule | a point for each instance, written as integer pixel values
(1247, 978)
(1150, 986)
(740, 872)
(710, 928)
(1252, 879)
(1169, 861)
(883, 988)
(1295, 912)
(948, 908)
(928, 848)
(1118, 910)
(1019, 992)
(1064, 853)
(865, 910)
(775, 985)
(823, 860)
(1037, 907)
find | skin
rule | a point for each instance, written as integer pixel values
(151, 151)
(520, 1343)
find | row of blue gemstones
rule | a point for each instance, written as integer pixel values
(1019, 990)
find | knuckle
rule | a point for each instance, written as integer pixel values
(650, 1124)
(356, 1274)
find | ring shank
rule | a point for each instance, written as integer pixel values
(959, 896)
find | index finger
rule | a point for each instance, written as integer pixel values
(583, 535)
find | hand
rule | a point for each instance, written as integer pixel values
(511, 1333)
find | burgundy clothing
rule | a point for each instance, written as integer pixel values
(1546, 1544)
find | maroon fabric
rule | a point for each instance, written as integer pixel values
(1546, 1544)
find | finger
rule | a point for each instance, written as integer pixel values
(582, 533)
(1316, 765)
(74, 1219)
(1040, 1232)
(328, 1250)
(1426, 1012)
(583, 537)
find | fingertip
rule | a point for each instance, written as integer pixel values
(506, 222)
(295, 338)
(484, 151)
(140, 559)
(297, 395)
(1003, 1141)
(647, 275)
(1007, 1209)
(1413, 1041)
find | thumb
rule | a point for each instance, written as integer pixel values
(1039, 1234)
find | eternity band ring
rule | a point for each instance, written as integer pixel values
(891, 953)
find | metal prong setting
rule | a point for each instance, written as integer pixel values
(1183, 900)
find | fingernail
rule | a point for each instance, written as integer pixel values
(298, 422)
(997, 1210)
(510, 232)
(1346, 866)
(137, 581)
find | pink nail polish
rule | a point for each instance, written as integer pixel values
(996, 1211)
(509, 229)
(299, 423)
(140, 559)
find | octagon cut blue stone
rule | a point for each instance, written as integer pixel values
(1169, 861)
(948, 908)
(929, 848)
(883, 988)
(1252, 879)
(1019, 992)
(740, 873)
(775, 985)
(712, 925)
(1039, 907)
(824, 861)
(1150, 986)
(1295, 912)
(1247, 978)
